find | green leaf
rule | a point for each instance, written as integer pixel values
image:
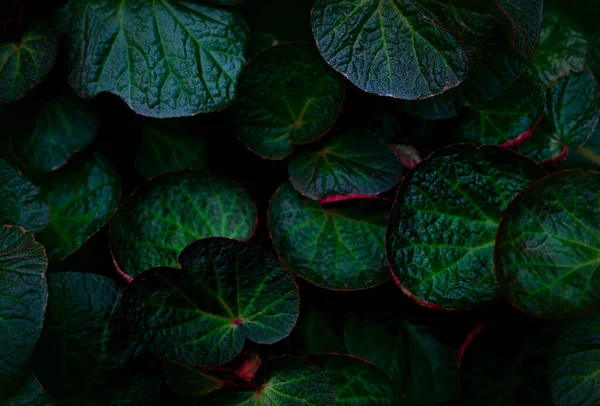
(440, 250)
(23, 298)
(575, 364)
(193, 384)
(163, 58)
(21, 203)
(339, 247)
(585, 157)
(571, 116)
(167, 147)
(563, 48)
(200, 315)
(355, 164)
(390, 47)
(357, 382)
(444, 106)
(287, 96)
(84, 336)
(423, 366)
(82, 199)
(522, 22)
(63, 126)
(547, 251)
(171, 211)
(314, 333)
(506, 119)
(25, 63)
(29, 393)
(281, 381)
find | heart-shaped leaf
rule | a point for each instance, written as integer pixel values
(82, 199)
(23, 298)
(63, 126)
(163, 58)
(390, 48)
(166, 147)
(287, 96)
(339, 247)
(357, 382)
(522, 22)
(171, 211)
(423, 366)
(440, 252)
(547, 250)
(29, 393)
(226, 290)
(355, 164)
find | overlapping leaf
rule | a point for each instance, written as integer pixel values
(29, 393)
(522, 22)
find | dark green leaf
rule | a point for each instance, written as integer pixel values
(522, 22)
(334, 248)
(29, 393)
(390, 48)
(355, 164)
(585, 157)
(163, 58)
(21, 203)
(593, 55)
(23, 298)
(288, 96)
(192, 384)
(423, 366)
(200, 315)
(82, 199)
(547, 251)
(314, 334)
(171, 211)
(443, 106)
(440, 250)
(357, 382)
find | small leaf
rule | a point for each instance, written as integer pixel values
(82, 199)
(357, 382)
(389, 47)
(29, 393)
(171, 211)
(23, 298)
(333, 248)
(288, 96)
(24, 64)
(440, 250)
(522, 22)
(163, 58)
(354, 164)
(407, 154)
(21, 203)
(226, 290)
(547, 251)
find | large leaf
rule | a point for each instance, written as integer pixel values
(163, 58)
(63, 126)
(563, 48)
(171, 211)
(574, 364)
(522, 22)
(82, 199)
(84, 336)
(21, 203)
(23, 298)
(423, 366)
(29, 393)
(288, 96)
(355, 164)
(440, 250)
(25, 63)
(226, 290)
(547, 253)
(390, 47)
(357, 382)
(339, 247)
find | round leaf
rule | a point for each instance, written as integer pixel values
(171, 211)
(29, 393)
(82, 199)
(389, 48)
(63, 126)
(357, 382)
(440, 250)
(163, 58)
(334, 248)
(287, 96)
(522, 22)
(21, 203)
(23, 298)
(355, 164)
(547, 250)
(200, 315)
